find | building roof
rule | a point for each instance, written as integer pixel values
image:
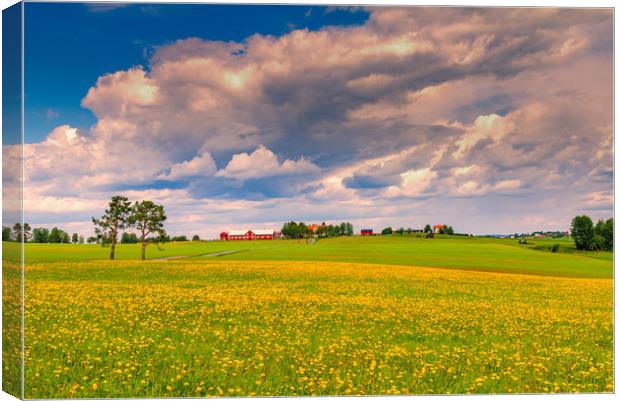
(262, 232)
(439, 225)
(237, 232)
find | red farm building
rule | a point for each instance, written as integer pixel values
(249, 235)
(366, 231)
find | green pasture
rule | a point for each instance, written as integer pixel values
(470, 253)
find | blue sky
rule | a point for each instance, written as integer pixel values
(249, 116)
(70, 45)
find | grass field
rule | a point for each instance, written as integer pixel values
(379, 315)
(484, 254)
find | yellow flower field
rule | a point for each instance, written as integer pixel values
(231, 328)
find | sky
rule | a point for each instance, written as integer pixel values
(490, 120)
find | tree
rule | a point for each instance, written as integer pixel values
(148, 218)
(428, 229)
(6, 233)
(21, 234)
(604, 235)
(387, 231)
(55, 236)
(195, 237)
(449, 230)
(349, 227)
(179, 238)
(582, 232)
(81, 239)
(114, 219)
(64, 237)
(75, 238)
(40, 235)
(129, 238)
(608, 234)
(91, 240)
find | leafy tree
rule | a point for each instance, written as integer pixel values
(81, 239)
(294, 230)
(64, 237)
(55, 236)
(598, 243)
(75, 238)
(349, 229)
(608, 234)
(449, 230)
(604, 235)
(582, 232)
(129, 238)
(195, 237)
(428, 229)
(289, 230)
(148, 218)
(6, 233)
(387, 231)
(21, 233)
(115, 218)
(91, 240)
(40, 235)
(179, 238)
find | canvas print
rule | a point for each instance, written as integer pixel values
(293, 200)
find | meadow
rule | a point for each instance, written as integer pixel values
(471, 253)
(378, 315)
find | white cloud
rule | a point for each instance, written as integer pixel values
(262, 162)
(201, 165)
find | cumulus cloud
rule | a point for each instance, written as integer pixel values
(449, 106)
(201, 165)
(264, 163)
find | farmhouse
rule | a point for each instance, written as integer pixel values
(248, 235)
(438, 227)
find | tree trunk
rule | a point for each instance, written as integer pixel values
(112, 248)
(143, 246)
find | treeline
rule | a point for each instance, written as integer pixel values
(445, 229)
(294, 230)
(591, 237)
(39, 235)
(132, 238)
(401, 231)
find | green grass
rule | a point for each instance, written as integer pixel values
(470, 253)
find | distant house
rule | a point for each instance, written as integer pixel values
(366, 231)
(248, 235)
(438, 227)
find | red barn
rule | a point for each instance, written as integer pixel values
(242, 235)
(367, 231)
(263, 234)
